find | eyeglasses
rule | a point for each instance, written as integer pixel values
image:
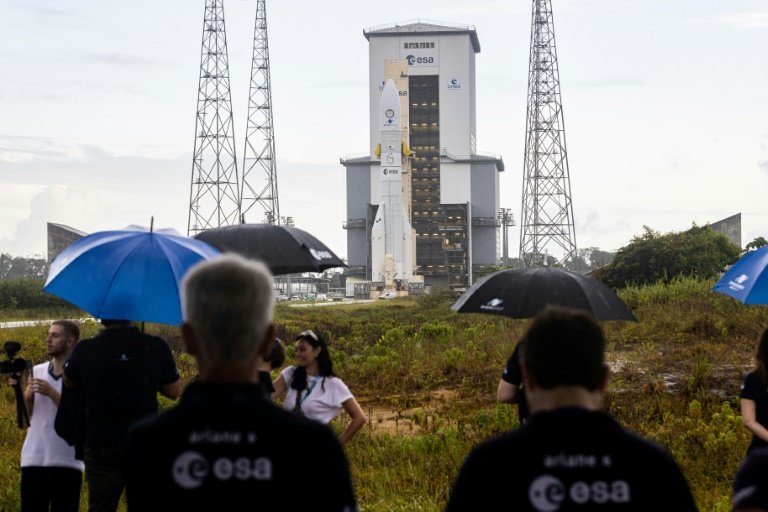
(308, 334)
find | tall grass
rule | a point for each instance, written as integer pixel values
(676, 376)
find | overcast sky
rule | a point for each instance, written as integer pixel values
(665, 104)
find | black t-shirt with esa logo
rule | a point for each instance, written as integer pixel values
(228, 447)
(570, 459)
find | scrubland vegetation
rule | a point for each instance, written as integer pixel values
(427, 378)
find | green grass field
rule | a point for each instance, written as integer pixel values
(427, 377)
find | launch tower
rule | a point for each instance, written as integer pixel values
(259, 180)
(547, 227)
(214, 196)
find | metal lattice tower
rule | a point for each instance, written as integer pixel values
(547, 215)
(259, 185)
(214, 199)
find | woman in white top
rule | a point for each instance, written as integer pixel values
(311, 388)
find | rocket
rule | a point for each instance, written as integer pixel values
(391, 234)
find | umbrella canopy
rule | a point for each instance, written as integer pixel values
(747, 279)
(524, 292)
(130, 274)
(283, 249)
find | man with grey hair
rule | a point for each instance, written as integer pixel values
(226, 446)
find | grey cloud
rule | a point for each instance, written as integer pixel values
(737, 20)
(121, 59)
(613, 82)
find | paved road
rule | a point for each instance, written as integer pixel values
(31, 323)
(334, 303)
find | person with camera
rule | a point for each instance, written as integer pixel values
(51, 477)
(119, 372)
(226, 445)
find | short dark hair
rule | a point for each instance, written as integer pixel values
(564, 347)
(276, 357)
(71, 329)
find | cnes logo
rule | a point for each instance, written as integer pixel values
(493, 305)
(320, 255)
(738, 284)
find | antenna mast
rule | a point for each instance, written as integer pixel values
(547, 212)
(259, 185)
(213, 198)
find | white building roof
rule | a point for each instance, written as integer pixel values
(423, 27)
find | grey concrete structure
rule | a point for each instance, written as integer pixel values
(60, 237)
(730, 227)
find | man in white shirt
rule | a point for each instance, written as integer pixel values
(50, 474)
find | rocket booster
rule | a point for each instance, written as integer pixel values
(391, 223)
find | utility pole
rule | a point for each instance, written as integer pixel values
(214, 198)
(547, 212)
(259, 184)
(506, 219)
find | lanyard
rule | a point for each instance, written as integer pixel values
(299, 399)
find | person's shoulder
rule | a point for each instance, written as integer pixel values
(337, 384)
(86, 343)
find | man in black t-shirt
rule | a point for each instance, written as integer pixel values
(226, 446)
(119, 372)
(569, 455)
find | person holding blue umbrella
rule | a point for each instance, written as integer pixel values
(120, 370)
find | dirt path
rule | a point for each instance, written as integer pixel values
(411, 420)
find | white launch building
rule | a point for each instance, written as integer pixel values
(449, 192)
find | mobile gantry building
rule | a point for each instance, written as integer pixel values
(453, 198)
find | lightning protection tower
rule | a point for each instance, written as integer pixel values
(214, 199)
(547, 213)
(259, 182)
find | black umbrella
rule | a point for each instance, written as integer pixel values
(524, 292)
(283, 249)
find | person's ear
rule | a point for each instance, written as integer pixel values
(191, 345)
(267, 342)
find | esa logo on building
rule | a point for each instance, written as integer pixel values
(454, 83)
(412, 59)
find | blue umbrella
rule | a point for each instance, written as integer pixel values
(747, 279)
(129, 274)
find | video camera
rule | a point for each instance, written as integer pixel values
(13, 365)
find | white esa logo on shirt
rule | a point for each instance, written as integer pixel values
(547, 493)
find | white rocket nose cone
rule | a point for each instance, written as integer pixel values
(390, 106)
